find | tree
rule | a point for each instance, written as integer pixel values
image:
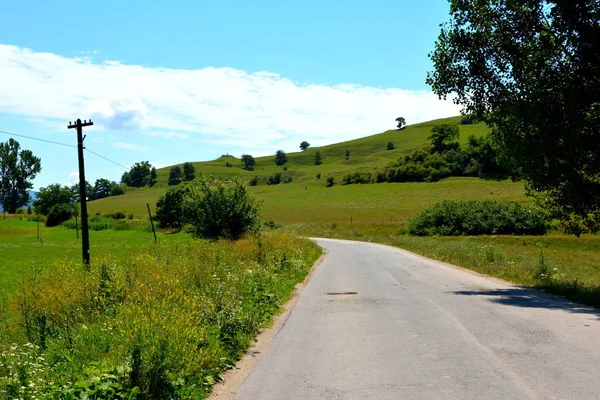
(216, 209)
(390, 146)
(175, 175)
(116, 189)
(17, 169)
(153, 177)
(318, 158)
(347, 154)
(304, 145)
(169, 208)
(530, 70)
(248, 162)
(102, 188)
(189, 172)
(401, 123)
(89, 191)
(52, 195)
(138, 175)
(280, 157)
(442, 135)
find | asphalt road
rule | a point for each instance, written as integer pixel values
(419, 329)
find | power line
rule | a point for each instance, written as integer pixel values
(107, 159)
(38, 139)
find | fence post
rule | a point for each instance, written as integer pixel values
(151, 222)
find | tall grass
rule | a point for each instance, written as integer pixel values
(163, 325)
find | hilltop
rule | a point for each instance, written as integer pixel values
(306, 199)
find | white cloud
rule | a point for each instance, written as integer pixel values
(215, 105)
(130, 146)
(167, 135)
(73, 179)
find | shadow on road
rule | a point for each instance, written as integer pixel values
(530, 298)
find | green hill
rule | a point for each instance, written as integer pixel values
(306, 199)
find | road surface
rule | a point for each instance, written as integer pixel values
(419, 329)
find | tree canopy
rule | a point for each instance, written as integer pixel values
(53, 195)
(248, 162)
(280, 157)
(530, 70)
(189, 172)
(401, 122)
(138, 175)
(175, 175)
(17, 169)
(304, 145)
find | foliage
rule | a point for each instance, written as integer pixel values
(390, 146)
(280, 158)
(401, 123)
(59, 213)
(248, 161)
(102, 188)
(357, 178)
(153, 177)
(165, 324)
(479, 217)
(253, 181)
(116, 215)
(318, 176)
(330, 181)
(540, 93)
(116, 189)
(217, 209)
(89, 192)
(169, 208)
(52, 195)
(443, 135)
(140, 174)
(274, 179)
(347, 154)
(189, 172)
(318, 158)
(175, 175)
(17, 169)
(304, 145)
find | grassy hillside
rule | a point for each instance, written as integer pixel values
(306, 199)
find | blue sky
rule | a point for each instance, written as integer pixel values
(182, 81)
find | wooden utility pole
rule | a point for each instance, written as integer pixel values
(151, 222)
(85, 237)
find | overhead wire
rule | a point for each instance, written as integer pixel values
(63, 144)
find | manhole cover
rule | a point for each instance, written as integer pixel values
(339, 293)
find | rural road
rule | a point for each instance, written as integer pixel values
(419, 329)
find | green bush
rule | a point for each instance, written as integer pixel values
(169, 208)
(479, 217)
(357, 177)
(58, 214)
(216, 209)
(254, 181)
(116, 215)
(274, 179)
(330, 181)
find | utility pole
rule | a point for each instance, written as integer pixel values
(85, 237)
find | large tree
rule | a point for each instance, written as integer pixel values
(54, 195)
(401, 123)
(530, 70)
(304, 145)
(175, 175)
(280, 157)
(248, 162)
(17, 169)
(138, 175)
(189, 172)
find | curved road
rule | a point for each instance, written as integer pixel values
(419, 329)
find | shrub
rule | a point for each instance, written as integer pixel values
(58, 214)
(318, 176)
(217, 210)
(287, 179)
(116, 215)
(390, 146)
(228, 164)
(253, 181)
(357, 177)
(274, 179)
(479, 217)
(330, 181)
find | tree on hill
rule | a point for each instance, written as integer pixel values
(442, 135)
(401, 123)
(390, 146)
(138, 175)
(280, 157)
(89, 191)
(248, 162)
(101, 189)
(153, 177)
(169, 208)
(52, 195)
(17, 170)
(540, 93)
(175, 175)
(347, 154)
(318, 158)
(304, 145)
(189, 172)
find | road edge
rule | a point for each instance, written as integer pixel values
(233, 378)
